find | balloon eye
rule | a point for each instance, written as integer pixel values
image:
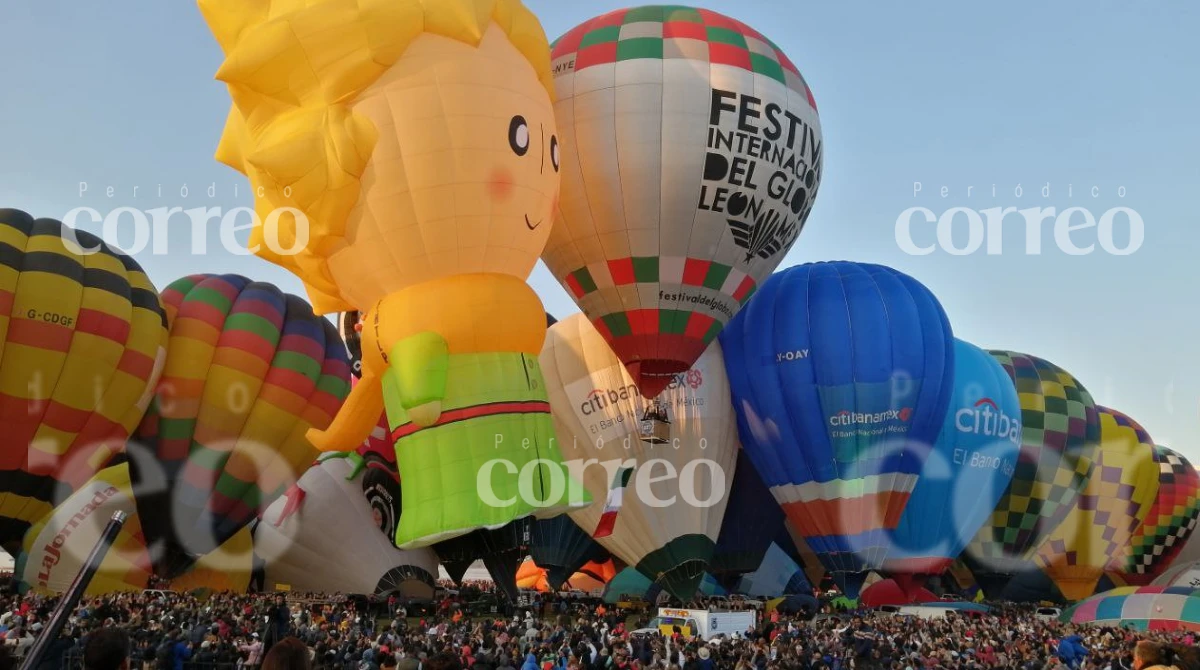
(518, 135)
(554, 151)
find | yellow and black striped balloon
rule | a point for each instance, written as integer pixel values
(82, 339)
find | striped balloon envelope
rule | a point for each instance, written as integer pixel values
(1060, 429)
(249, 370)
(1110, 508)
(82, 341)
(1169, 523)
(691, 158)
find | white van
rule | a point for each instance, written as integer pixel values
(1048, 613)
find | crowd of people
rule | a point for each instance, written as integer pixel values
(159, 630)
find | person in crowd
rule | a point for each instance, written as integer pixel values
(288, 654)
(107, 649)
(443, 661)
(1148, 655)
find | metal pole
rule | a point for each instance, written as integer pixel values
(62, 612)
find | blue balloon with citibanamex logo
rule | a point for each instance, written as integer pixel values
(966, 473)
(841, 374)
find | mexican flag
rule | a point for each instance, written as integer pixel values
(612, 504)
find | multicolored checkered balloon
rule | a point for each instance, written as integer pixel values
(1111, 507)
(1060, 429)
(691, 158)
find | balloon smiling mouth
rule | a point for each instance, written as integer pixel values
(531, 226)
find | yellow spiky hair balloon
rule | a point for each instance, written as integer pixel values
(294, 68)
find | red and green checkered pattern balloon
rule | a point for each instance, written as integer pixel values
(1169, 523)
(691, 158)
(249, 370)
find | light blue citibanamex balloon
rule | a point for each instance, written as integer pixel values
(968, 470)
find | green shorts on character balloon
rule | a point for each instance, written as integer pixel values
(407, 168)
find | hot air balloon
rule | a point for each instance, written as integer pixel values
(501, 551)
(1182, 573)
(427, 217)
(967, 472)
(792, 544)
(229, 567)
(57, 546)
(777, 575)
(1108, 510)
(1059, 433)
(591, 578)
(561, 547)
(663, 467)
(752, 521)
(841, 375)
(629, 584)
(1140, 608)
(692, 154)
(1168, 525)
(306, 536)
(82, 341)
(249, 370)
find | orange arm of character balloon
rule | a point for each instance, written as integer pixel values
(417, 367)
(355, 420)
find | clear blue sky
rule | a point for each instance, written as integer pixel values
(952, 94)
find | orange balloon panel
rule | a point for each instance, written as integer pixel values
(591, 577)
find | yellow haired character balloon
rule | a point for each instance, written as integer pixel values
(406, 159)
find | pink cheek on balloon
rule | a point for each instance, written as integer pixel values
(500, 186)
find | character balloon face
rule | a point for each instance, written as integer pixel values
(464, 175)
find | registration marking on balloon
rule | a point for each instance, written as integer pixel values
(692, 158)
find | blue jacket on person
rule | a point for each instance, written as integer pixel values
(1071, 650)
(179, 654)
